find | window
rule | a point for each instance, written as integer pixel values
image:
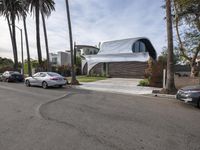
(42, 75)
(52, 74)
(139, 47)
(36, 75)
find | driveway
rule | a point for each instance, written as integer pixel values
(118, 85)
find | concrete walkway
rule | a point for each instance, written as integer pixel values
(118, 85)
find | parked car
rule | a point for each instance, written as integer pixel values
(12, 76)
(46, 79)
(189, 94)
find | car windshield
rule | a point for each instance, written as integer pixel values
(52, 74)
(14, 72)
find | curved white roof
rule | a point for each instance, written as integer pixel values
(118, 46)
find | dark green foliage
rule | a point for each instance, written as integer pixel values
(6, 64)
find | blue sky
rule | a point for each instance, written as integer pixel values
(94, 21)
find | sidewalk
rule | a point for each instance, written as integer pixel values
(118, 85)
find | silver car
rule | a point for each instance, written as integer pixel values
(46, 79)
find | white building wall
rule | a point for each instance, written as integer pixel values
(61, 58)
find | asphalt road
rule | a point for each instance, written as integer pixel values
(68, 119)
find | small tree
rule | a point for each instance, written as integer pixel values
(187, 25)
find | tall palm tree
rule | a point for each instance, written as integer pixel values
(2, 12)
(12, 10)
(170, 86)
(24, 15)
(46, 11)
(73, 74)
(37, 6)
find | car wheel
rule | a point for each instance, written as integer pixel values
(27, 83)
(7, 80)
(44, 85)
(60, 86)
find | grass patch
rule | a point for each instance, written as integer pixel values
(87, 78)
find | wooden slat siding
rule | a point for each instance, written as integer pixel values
(127, 69)
(85, 69)
(122, 69)
(97, 69)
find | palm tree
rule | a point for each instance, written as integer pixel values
(2, 12)
(170, 86)
(24, 15)
(37, 6)
(73, 80)
(12, 10)
(46, 11)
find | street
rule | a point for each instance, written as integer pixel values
(32, 118)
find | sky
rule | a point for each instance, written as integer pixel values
(93, 21)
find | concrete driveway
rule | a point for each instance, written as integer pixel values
(118, 85)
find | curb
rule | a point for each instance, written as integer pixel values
(164, 95)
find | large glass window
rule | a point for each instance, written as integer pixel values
(139, 47)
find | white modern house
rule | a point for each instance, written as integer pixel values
(121, 58)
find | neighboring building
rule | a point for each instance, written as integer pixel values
(121, 58)
(64, 58)
(60, 59)
(82, 50)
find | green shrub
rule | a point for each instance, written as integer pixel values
(144, 82)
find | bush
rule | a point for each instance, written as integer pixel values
(144, 82)
(154, 72)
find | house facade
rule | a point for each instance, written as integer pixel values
(121, 58)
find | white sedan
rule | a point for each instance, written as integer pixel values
(45, 79)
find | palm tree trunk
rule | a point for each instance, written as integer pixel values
(37, 18)
(73, 80)
(170, 86)
(46, 41)
(14, 43)
(10, 30)
(27, 47)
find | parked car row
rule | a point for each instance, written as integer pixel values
(43, 79)
(11, 76)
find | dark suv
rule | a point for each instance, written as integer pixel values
(12, 76)
(189, 94)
